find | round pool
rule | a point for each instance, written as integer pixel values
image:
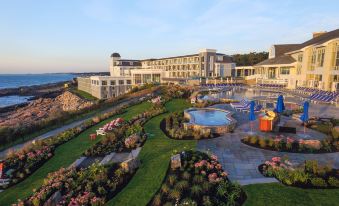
(213, 120)
(209, 117)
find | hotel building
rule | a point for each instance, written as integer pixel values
(127, 72)
(314, 63)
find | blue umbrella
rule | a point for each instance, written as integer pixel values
(280, 104)
(304, 116)
(252, 115)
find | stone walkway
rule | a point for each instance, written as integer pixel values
(241, 161)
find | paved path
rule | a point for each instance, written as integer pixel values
(241, 161)
(66, 127)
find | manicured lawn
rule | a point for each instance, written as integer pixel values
(84, 94)
(277, 194)
(155, 157)
(65, 155)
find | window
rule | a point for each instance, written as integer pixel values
(337, 58)
(113, 82)
(128, 82)
(285, 70)
(320, 58)
(121, 82)
(300, 58)
(104, 83)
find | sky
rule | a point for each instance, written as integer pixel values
(41, 36)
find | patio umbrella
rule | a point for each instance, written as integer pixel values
(251, 114)
(280, 104)
(304, 116)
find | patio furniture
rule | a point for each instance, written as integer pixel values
(101, 131)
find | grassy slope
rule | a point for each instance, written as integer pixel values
(277, 194)
(65, 155)
(84, 94)
(155, 156)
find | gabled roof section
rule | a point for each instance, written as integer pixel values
(284, 59)
(281, 49)
(322, 38)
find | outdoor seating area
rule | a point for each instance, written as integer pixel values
(244, 106)
(222, 85)
(323, 96)
(109, 126)
(271, 86)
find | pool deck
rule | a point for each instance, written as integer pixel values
(241, 161)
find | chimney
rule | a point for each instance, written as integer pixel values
(318, 33)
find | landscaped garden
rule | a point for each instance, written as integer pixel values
(199, 180)
(173, 127)
(307, 175)
(196, 178)
(64, 155)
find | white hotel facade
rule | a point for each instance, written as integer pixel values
(126, 73)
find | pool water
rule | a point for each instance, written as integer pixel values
(209, 117)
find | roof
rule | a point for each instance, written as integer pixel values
(322, 38)
(154, 59)
(281, 49)
(319, 39)
(284, 59)
(225, 59)
(115, 54)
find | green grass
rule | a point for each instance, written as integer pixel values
(155, 157)
(64, 155)
(84, 94)
(280, 195)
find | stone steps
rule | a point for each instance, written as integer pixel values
(257, 181)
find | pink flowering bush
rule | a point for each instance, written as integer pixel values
(26, 161)
(307, 175)
(200, 180)
(91, 186)
(125, 137)
(290, 144)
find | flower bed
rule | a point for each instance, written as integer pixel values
(21, 164)
(35, 155)
(198, 180)
(126, 137)
(289, 144)
(92, 186)
(173, 127)
(307, 175)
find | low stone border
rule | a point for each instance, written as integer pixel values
(219, 129)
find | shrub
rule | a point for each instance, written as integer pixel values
(253, 140)
(318, 182)
(334, 182)
(196, 190)
(174, 194)
(157, 200)
(262, 142)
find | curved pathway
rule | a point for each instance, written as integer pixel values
(56, 131)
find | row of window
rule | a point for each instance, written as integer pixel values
(112, 82)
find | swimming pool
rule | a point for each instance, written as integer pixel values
(209, 117)
(213, 119)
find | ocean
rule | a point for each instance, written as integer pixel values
(19, 80)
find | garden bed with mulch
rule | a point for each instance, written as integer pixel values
(292, 145)
(173, 127)
(309, 175)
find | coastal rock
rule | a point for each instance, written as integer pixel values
(71, 102)
(43, 109)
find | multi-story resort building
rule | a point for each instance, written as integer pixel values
(313, 64)
(127, 72)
